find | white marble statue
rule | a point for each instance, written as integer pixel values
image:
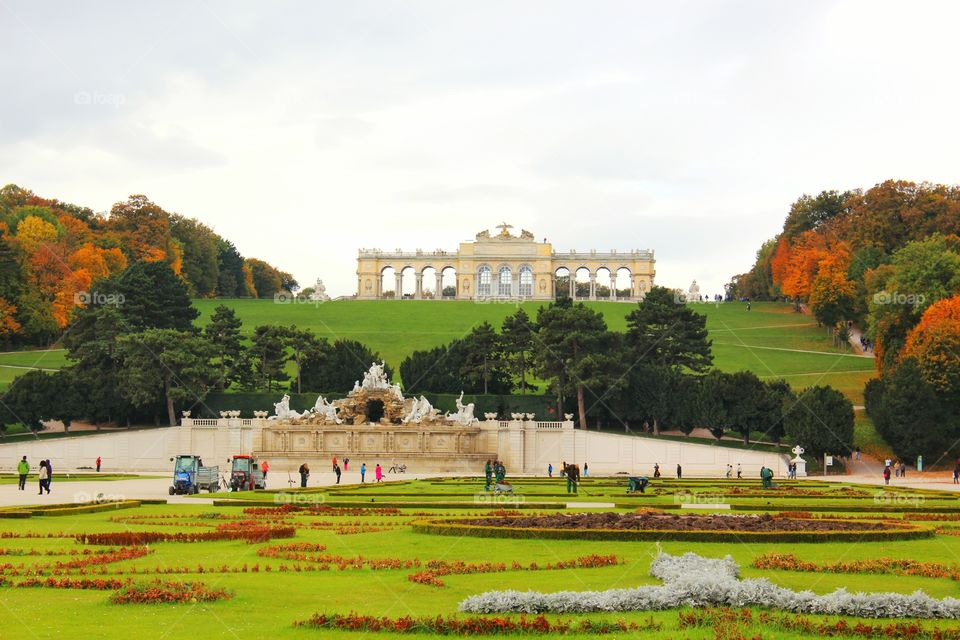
(376, 378)
(693, 295)
(420, 411)
(283, 410)
(326, 410)
(319, 292)
(464, 415)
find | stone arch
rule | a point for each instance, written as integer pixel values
(448, 282)
(484, 281)
(563, 283)
(408, 281)
(388, 282)
(504, 281)
(428, 282)
(624, 279)
(581, 284)
(603, 284)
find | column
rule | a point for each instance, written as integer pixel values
(613, 285)
(438, 288)
(515, 283)
(418, 289)
(633, 292)
(593, 285)
(398, 295)
(572, 285)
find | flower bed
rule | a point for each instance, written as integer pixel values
(131, 538)
(160, 591)
(648, 525)
(472, 626)
(694, 581)
(896, 566)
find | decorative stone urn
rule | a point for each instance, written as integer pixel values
(530, 416)
(800, 462)
(186, 414)
(490, 416)
(568, 417)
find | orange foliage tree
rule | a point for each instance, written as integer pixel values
(935, 344)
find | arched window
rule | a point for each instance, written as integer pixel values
(505, 282)
(526, 282)
(484, 278)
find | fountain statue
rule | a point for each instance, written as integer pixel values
(326, 410)
(464, 415)
(283, 410)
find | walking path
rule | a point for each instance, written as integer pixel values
(822, 353)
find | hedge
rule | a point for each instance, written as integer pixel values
(899, 532)
(86, 508)
(495, 504)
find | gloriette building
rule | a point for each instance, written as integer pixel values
(504, 266)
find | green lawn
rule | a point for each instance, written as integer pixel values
(265, 604)
(770, 340)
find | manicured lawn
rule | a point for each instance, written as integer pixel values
(770, 340)
(267, 603)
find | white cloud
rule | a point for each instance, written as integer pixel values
(305, 131)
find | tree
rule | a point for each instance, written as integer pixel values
(435, 370)
(663, 333)
(568, 354)
(231, 279)
(832, 294)
(821, 421)
(150, 296)
(165, 366)
(518, 337)
(935, 345)
(267, 280)
(338, 366)
(269, 356)
(301, 343)
(200, 248)
(29, 399)
(909, 413)
(483, 369)
(223, 334)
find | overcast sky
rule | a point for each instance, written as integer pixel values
(305, 130)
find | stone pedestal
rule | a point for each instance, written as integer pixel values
(801, 466)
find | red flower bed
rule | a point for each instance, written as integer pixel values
(322, 509)
(896, 566)
(473, 625)
(160, 591)
(137, 538)
(103, 584)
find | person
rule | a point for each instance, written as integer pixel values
(563, 467)
(336, 470)
(334, 462)
(550, 470)
(44, 477)
(98, 464)
(488, 475)
(378, 473)
(304, 474)
(586, 470)
(573, 477)
(656, 470)
(23, 468)
(499, 471)
(729, 472)
(49, 475)
(856, 453)
(886, 475)
(749, 304)
(265, 467)
(903, 469)
(679, 472)
(956, 474)
(739, 471)
(346, 464)
(888, 462)
(363, 471)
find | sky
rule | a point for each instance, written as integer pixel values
(303, 131)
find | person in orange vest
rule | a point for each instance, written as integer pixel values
(265, 467)
(334, 463)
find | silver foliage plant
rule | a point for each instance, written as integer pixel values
(691, 580)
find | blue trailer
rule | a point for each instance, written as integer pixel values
(190, 476)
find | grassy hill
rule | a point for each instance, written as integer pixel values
(771, 339)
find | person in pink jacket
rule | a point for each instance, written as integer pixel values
(378, 472)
